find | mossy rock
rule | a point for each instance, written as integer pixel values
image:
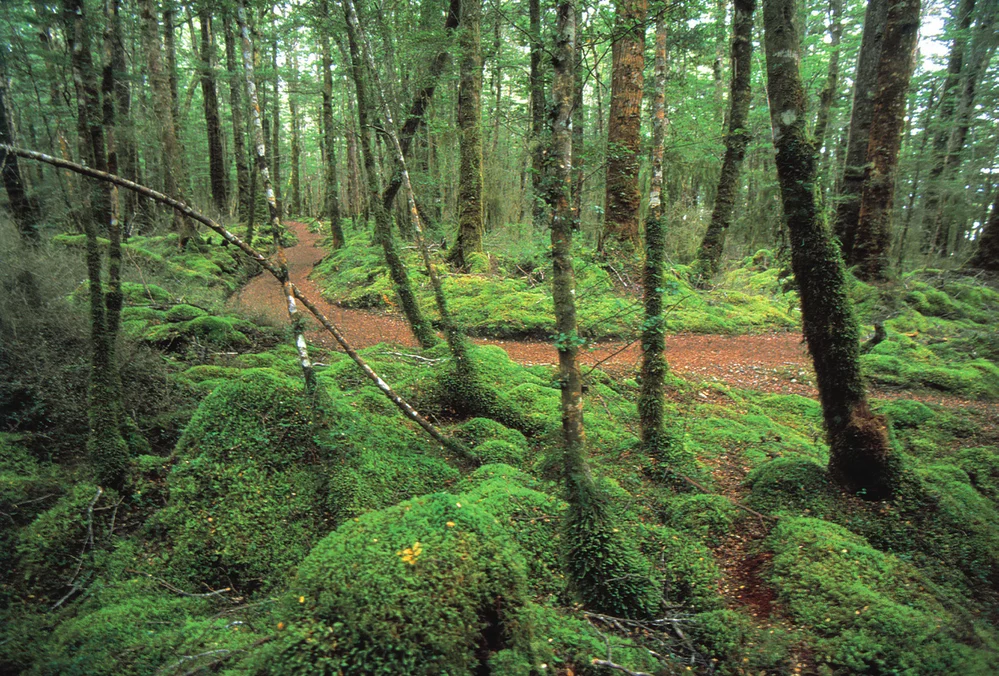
(430, 586)
(480, 430)
(497, 451)
(791, 484)
(707, 517)
(184, 313)
(905, 413)
(982, 467)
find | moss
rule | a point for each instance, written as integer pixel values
(707, 517)
(223, 333)
(791, 484)
(432, 585)
(904, 413)
(982, 467)
(496, 451)
(868, 609)
(184, 313)
(735, 645)
(687, 568)
(480, 430)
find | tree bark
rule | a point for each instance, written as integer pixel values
(21, 207)
(712, 246)
(217, 170)
(578, 117)
(245, 206)
(828, 93)
(331, 187)
(623, 137)
(538, 113)
(276, 127)
(865, 81)
(873, 237)
(124, 127)
(296, 142)
(860, 455)
(470, 226)
(987, 255)
(294, 316)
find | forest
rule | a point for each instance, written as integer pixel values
(509, 337)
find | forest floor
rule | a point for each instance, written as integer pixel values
(773, 362)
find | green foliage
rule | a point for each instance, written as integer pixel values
(737, 645)
(792, 484)
(686, 567)
(707, 517)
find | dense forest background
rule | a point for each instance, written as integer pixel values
(508, 337)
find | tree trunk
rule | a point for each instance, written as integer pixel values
(21, 207)
(276, 128)
(243, 189)
(296, 143)
(470, 227)
(538, 109)
(828, 93)
(170, 45)
(420, 326)
(623, 138)
(710, 252)
(860, 455)
(987, 255)
(873, 237)
(865, 81)
(159, 83)
(294, 316)
(218, 172)
(124, 126)
(331, 187)
(578, 117)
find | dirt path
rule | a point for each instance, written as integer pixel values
(774, 362)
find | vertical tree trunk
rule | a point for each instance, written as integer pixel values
(710, 252)
(860, 455)
(218, 172)
(538, 109)
(718, 66)
(623, 138)
(331, 187)
(105, 444)
(159, 83)
(355, 181)
(124, 126)
(828, 93)
(243, 190)
(873, 238)
(276, 127)
(294, 316)
(170, 45)
(470, 226)
(296, 143)
(987, 255)
(420, 326)
(578, 117)
(21, 207)
(864, 83)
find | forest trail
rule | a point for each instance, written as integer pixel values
(772, 362)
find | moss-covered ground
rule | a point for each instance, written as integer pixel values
(266, 534)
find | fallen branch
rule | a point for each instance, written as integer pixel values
(453, 445)
(180, 592)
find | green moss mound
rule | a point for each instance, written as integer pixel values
(791, 484)
(707, 517)
(869, 610)
(735, 645)
(430, 586)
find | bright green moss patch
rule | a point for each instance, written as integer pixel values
(736, 645)
(709, 518)
(791, 484)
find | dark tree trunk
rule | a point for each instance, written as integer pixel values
(420, 326)
(124, 127)
(860, 455)
(331, 187)
(710, 253)
(470, 227)
(538, 110)
(296, 142)
(243, 189)
(828, 93)
(623, 197)
(987, 255)
(865, 81)
(218, 173)
(873, 237)
(21, 207)
(170, 45)
(578, 118)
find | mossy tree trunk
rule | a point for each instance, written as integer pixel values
(217, 170)
(331, 185)
(828, 93)
(243, 189)
(860, 455)
(276, 124)
(864, 82)
(538, 113)
(296, 140)
(256, 127)
(873, 237)
(124, 127)
(24, 213)
(470, 226)
(105, 443)
(623, 196)
(420, 326)
(987, 255)
(710, 252)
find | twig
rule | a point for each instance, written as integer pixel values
(180, 592)
(607, 664)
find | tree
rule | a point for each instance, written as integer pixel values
(21, 207)
(245, 206)
(331, 187)
(860, 456)
(987, 255)
(873, 235)
(217, 169)
(828, 93)
(864, 82)
(470, 226)
(625, 121)
(710, 252)
(538, 112)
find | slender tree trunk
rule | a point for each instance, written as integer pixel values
(910, 207)
(170, 46)
(159, 83)
(276, 128)
(860, 455)
(718, 66)
(623, 138)
(873, 238)
(243, 189)
(828, 93)
(538, 110)
(987, 255)
(865, 81)
(124, 126)
(578, 117)
(218, 172)
(105, 444)
(710, 252)
(470, 226)
(420, 326)
(331, 187)
(294, 316)
(355, 169)
(23, 211)
(296, 143)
